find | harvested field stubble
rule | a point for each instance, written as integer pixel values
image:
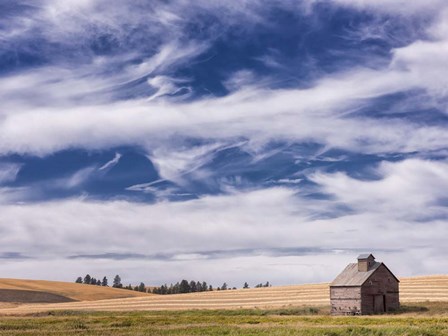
(417, 289)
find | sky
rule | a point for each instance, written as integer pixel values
(222, 141)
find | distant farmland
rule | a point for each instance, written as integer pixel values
(416, 289)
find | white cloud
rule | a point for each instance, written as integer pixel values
(262, 220)
(173, 163)
(240, 80)
(324, 113)
(111, 163)
(66, 86)
(409, 189)
(425, 61)
(395, 6)
(8, 172)
(422, 60)
(166, 85)
(78, 178)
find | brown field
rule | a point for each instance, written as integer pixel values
(14, 292)
(92, 298)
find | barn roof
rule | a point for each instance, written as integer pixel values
(350, 276)
(365, 256)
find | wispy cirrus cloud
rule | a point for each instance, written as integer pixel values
(325, 113)
(112, 162)
(329, 105)
(8, 172)
(206, 87)
(395, 6)
(275, 219)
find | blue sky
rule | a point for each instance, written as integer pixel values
(239, 141)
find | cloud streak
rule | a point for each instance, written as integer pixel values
(318, 114)
(274, 223)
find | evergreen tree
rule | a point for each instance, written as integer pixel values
(87, 279)
(79, 280)
(224, 286)
(210, 288)
(141, 287)
(117, 282)
(199, 286)
(93, 281)
(246, 285)
(98, 282)
(204, 286)
(193, 287)
(184, 287)
(104, 282)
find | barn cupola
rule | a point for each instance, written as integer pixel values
(365, 261)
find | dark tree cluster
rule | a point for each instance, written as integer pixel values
(89, 280)
(139, 288)
(183, 287)
(186, 286)
(116, 283)
(225, 287)
(260, 285)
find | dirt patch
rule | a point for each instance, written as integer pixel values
(26, 296)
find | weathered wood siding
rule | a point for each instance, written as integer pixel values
(345, 300)
(380, 287)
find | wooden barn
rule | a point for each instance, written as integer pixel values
(365, 287)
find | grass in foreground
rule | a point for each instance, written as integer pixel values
(419, 319)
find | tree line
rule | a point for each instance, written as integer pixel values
(192, 286)
(181, 287)
(89, 280)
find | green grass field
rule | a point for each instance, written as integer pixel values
(419, 319)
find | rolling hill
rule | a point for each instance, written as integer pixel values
(16, 291)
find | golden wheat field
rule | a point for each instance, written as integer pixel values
(415, 289)
(70, 291)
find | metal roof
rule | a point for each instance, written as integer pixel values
(350, 276)
(365, 256)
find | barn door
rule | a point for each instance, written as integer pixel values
(378, 304)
